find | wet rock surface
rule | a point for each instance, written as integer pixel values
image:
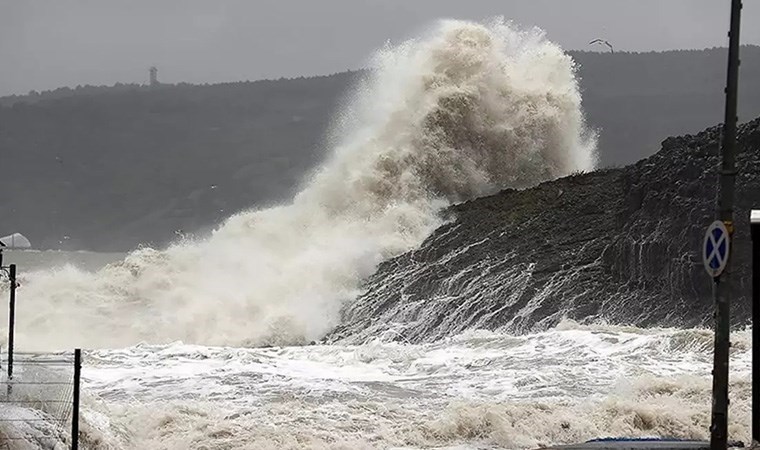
(618, 245)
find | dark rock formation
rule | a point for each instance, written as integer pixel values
(621, 245)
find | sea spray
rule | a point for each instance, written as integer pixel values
(461, 112)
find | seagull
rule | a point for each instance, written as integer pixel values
(602, 41)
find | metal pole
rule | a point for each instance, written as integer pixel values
(11, 320)
(755, 228)
(725, 213)
(75, 409)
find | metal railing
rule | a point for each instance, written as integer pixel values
(39, 403)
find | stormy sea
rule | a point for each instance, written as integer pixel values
(457, 274)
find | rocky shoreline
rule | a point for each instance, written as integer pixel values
(617, 245)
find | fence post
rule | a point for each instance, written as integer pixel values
(11, 324)
(75, 409)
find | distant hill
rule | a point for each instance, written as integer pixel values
(638, 99)
(108, 168)
(130, 165)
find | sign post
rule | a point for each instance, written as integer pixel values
(716, 250)
(724, 212)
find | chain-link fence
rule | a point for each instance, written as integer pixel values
(39, 403)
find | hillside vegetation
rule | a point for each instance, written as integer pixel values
(108, 168)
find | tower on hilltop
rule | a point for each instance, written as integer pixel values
(153, 76)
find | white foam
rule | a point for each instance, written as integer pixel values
(479, 390)
(461, 112)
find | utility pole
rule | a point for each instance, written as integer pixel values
(725, 214)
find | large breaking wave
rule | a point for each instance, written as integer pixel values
(461, 112)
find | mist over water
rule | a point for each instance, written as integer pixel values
(461, 112)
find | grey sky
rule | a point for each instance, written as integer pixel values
(52, 43)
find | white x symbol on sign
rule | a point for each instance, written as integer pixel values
(716, 258)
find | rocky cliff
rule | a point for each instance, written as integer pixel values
(620, 245)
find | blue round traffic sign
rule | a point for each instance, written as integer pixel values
(716, 248)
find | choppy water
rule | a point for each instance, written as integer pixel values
(480, 390)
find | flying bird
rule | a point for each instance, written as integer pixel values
(602, 41)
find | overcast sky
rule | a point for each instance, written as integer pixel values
(52, 43)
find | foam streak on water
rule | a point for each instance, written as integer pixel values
(461, 112)
(478, 390)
